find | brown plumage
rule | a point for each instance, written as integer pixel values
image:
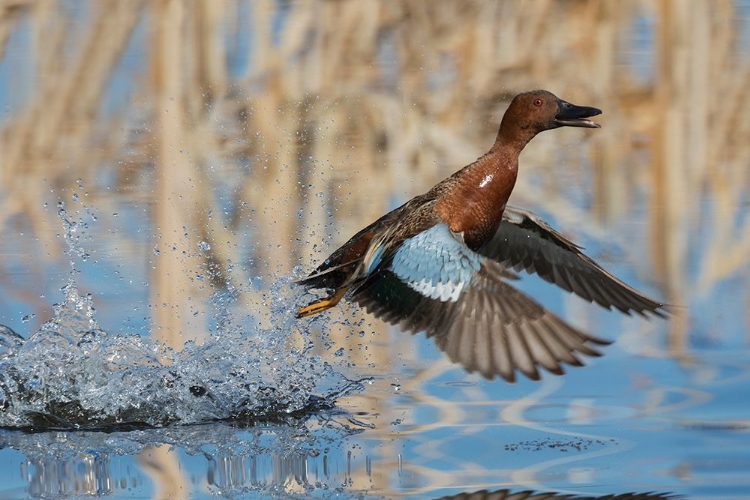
(441, 262)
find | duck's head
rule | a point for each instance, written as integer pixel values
(540, 110)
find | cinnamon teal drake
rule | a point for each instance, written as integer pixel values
(442, 262)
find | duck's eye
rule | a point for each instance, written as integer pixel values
(538, 102)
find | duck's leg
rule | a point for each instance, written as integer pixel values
(322, 304)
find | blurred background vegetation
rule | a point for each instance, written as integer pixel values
(224, 142)
(215, 145)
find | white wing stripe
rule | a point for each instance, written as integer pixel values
(436, 264)
(438, 291)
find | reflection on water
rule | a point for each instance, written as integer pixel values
(531, 495)
(211, 148)
(51, 477)
(219, 463)
(222, 459)
(623, 433)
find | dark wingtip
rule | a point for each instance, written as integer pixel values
(535, 376)
(576, 362)
(559, 370)
(657, 309)
(664, 311)
(599, 341)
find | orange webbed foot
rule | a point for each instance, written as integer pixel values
(321, 305)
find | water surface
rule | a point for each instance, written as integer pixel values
(168, 169)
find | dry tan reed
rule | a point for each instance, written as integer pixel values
(399, 92)
(348, 107)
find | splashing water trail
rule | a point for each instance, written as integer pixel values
(73, 374)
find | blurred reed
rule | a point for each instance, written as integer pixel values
(335, 94)
(316, 117)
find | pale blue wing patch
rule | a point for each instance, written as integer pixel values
(436, 264)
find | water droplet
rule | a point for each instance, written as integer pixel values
(339, 352)
(204, 246)
(396, 387)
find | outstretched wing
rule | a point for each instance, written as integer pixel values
(433, 283)
(523, 241)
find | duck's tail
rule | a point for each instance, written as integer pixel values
(330, 278)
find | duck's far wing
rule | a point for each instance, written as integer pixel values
(523, 241)
(433, 283)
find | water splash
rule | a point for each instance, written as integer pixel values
(73, 374)
(72, 234)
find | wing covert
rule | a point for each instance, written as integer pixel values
(434, 283)
(525, 242)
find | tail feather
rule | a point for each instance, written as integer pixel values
(330, 278)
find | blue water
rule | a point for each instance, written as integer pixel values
(628, 421)
(339, 406)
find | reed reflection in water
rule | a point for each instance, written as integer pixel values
(254, 137)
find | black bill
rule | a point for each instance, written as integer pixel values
(571, 115)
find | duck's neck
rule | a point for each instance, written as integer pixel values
(501, 166)
(511, 139)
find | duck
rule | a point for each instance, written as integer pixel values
(443, 263)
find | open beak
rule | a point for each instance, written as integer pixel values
(571, 115)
